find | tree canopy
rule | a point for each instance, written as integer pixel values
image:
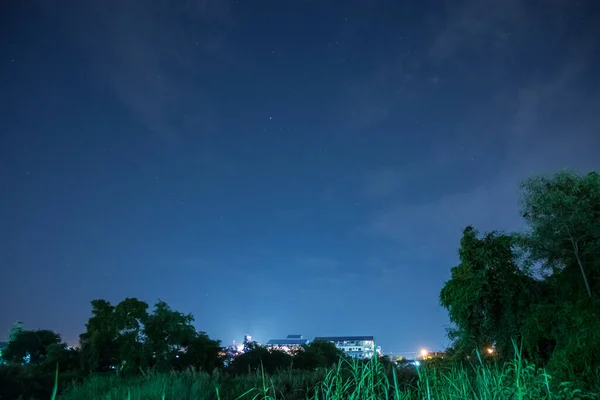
(552, 314)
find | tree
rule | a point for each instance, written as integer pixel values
(494, 299)
(99, 349)
(167, 334)
(202, 353)
(114, 337)
(317, 354)
(259, 358)
(130, 317)
(15, 330)
(488, 295)
(30, 345)
(563, 214)
(127, 338)
(67, 358)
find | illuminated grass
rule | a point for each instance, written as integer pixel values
(349, 380)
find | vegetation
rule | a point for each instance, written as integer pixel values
(531, 295)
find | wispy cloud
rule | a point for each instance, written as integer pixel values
(531, 125)
(552, 126)
(384, 182)
(476, 25)
(371, 99)
(148, 54)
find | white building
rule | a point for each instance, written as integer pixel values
(355, 346)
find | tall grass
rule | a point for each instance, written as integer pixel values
(349, 380)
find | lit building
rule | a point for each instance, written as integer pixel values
(290, 343)
(354, 346)
(237, 347)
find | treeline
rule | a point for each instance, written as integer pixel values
(535, 293)
(127, 339)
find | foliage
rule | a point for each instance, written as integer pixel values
(494, 297)
(98, 343)
(167, 332)
(515, 379)
(32, 381)
(258, 358)
(202, 354)
(317, 354)
(563, 214)
(128, 339)
(31, 346)
(15, 330)
(488, 296)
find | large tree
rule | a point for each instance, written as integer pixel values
(201, 353)
(563, 215)
(493, 299)
(131, 315)
(30, 346)
(260, 358)
(167, 333)
(126, 337)
(317, 354)
(99, 350)
(488, 294)
(114, 336)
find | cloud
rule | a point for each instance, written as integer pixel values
(383, 182)
(308, 277)
(547, 125)
(372, 98)
(368, 101)
(434, 227)
(149, 59)
(476, 24)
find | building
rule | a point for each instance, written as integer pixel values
(355, 346)
(290, 343)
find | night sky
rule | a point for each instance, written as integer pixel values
(277, 167)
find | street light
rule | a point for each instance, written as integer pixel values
(424, 353)
(490, 350)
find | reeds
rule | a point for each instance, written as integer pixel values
(349, 380)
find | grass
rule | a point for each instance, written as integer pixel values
(350, 380)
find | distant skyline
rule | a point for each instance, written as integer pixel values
(277, 167)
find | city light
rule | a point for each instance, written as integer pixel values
(424, 353)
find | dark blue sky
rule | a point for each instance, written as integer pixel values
(277, 167)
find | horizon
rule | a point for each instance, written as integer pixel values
(268, 178)
(309, 339)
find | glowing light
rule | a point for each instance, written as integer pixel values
(490, 350)
(424, 353)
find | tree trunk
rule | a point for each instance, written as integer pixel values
(576, 252)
